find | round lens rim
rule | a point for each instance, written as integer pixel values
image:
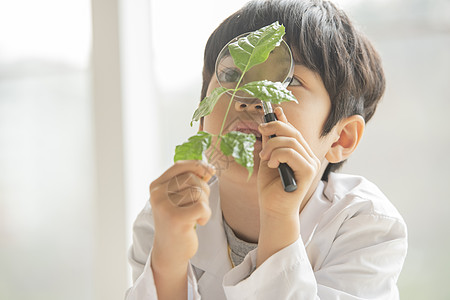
(283, 43)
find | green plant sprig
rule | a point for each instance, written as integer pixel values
(247, 52)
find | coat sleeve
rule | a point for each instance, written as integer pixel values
(139, 256)
(285, 275)
(363, 262)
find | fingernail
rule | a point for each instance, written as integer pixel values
(262, 125)
(272, 164)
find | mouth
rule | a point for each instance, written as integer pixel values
(247, 127)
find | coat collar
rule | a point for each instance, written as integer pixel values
(312, 213)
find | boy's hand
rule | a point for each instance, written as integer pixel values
(179, 200)
(279, 210)
(289, 147)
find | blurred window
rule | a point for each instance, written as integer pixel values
(45, 150)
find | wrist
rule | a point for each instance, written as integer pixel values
(168, 255)
(167, 267)
(279, 219)
(281, 208)
(170, 280)
(280, 226)
(276, 232)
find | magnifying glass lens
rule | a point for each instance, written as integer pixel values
(278, 67)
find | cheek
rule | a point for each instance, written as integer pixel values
(322, 148)
(310, 127)
(213, 121)
(210, 121)
(308, 124)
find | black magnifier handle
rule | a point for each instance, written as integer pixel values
(286, 173)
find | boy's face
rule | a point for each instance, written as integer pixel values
(308, 116)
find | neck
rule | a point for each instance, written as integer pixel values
(240, 208)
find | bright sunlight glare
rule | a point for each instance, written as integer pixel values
(47, 29)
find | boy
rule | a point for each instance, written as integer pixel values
(335, 237)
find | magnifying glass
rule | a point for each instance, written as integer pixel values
(279, 67)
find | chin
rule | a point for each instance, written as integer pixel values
(229, 168)
(235, 172)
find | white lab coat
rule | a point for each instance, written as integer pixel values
(352, 245)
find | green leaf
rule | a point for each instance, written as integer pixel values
(273, 92)
(207, 104)
(240, 145)
(193, 149)
(255, 48)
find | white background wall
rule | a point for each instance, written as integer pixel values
(50, 209)
(46, 178)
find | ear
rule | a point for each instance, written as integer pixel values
(349, 132)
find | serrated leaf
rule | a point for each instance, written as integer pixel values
(273, 92)
(207, 104)
(255, 48)
(193, 149)
(240, 145)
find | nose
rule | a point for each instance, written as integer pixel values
(251, 105)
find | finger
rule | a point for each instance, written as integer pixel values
(285, 142)
(181, 190)
(300, 165)
(200, 168)
(188, 192)
(279, 113)
(264, 138)
(176, 210)
(199, 212)
(283, 156)
(174, 219)
(185, 197)
(280, 116)
(280, 129)
(184, 181)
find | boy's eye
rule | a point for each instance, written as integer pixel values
(295, 82)
(229, 75)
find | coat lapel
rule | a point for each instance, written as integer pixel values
(310, 218)
(212, 253)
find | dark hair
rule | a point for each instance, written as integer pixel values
(323, 39)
